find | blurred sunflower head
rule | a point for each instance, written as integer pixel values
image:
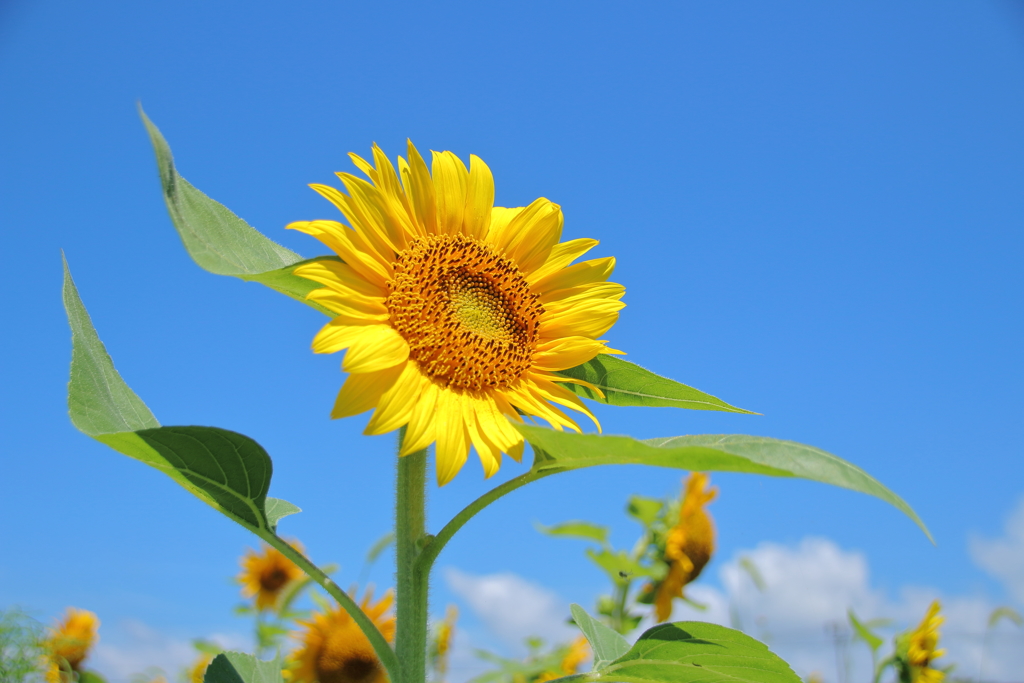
(266, 574)
(689, 545)
(921, 647)
(68, 644)
(579, 652)
(442, 642)
(456, 314)
(333, 649)
(197, 672)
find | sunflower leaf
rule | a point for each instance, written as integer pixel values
(576, 529)
(238, 667)
(277, 508)
(224, 469)
(560, 451)
(627, 384)
(608, 645)
(692, 651)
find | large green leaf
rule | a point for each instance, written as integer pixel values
(238, 667)
(221, 242)
(627, 384)
(217, 239)
(559, 451)
(607, 644)
(693, 651)
(226, 470)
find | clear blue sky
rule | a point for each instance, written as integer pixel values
(816, 211)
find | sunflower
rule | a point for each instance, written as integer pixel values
(921, 647)
(197, 672)
(689, 545)
(579, 652)
(456, 314)
(265, 575)
(68, 643)
(442, 644)
(334, 650)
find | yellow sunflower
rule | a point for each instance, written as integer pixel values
(579, 652)
(266, 574)
(456, 313)
(443, 636)
(334, 650)
(921, 650)
(68, 644)
(690, 543)
(197, 672)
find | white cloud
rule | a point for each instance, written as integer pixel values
(512, 608)
(1003, 557)
(131, 648)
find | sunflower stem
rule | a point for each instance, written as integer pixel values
(377, 640)
(412, 582)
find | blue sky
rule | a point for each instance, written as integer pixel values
(815, 208)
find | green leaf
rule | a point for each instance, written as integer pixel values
(382, 544)
(221, 242)
(645, 510)
(608, 645)
(560, 451)
(238, 667)
(276, 509)
(863, 632)
(619, 566)
(693, 651)
(1008, 613)
(99, 401)
(218, 240)
(226, 470)
(628, 384)
(576, 529)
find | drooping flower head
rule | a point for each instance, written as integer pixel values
(455, 313)
(266, 574)
(690, 543)
(334, 649)
(68, 644)
(921, 647)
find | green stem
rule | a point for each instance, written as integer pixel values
(376, 638)
(412, 578)
(437, 544)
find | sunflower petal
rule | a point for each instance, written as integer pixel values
(479, 199)
(362, 392)
(565, 352)
(561, 255)
(452, 439)
(420, 189)
(379, 348)
(450, 182)
(339, 334)
(396, 403)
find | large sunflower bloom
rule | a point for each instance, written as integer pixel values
(69, 643)
(921, 649)
(266, 574)
(335, 650)
(690, 543)
(456, 313)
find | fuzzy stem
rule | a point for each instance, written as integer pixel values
(412, 582)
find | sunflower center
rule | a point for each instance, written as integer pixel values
(466, 312)
(274, 579)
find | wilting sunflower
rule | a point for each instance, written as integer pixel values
(266, 574)
(921, 648)
(456, 313)
(334, 649)
(68, 644)
(689, 545)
